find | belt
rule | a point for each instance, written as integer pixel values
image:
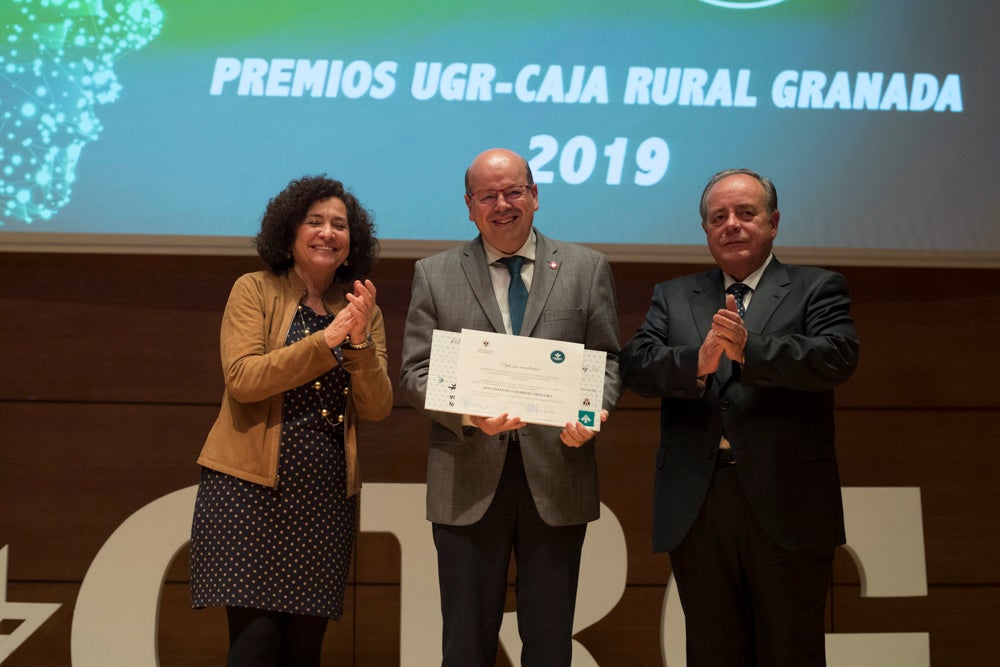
(513, 438)
(724, 458)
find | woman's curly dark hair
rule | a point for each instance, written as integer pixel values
(287, 211)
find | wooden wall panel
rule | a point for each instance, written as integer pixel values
(954, 457)
(93, 465)
(961, 620)
(122, 328)
(378, 628)
(194, 637)
(125, 328)
(70, 473)
(145, 328)
(198, 638)
(110, 379)
(916, 327)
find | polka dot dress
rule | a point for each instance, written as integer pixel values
(286, 549)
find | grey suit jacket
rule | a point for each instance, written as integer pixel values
(776, 410)
(572, 298)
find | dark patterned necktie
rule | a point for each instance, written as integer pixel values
(517, 293)
(739, 290)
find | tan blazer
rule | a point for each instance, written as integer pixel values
(259, 368)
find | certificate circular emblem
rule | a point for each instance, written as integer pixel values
(557, 357)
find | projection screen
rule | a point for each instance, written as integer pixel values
(166, 126)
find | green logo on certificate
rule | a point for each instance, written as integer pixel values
(586, 418)
(557, 357)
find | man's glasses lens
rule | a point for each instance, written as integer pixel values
(490, 197)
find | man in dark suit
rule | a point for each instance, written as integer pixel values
(496, 485)
(747, 493)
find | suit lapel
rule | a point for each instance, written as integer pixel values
(478, 274)
(543, 277)
(706, 297)
(771, 290)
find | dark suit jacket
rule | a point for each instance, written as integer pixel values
(776, 411)
(572, 298)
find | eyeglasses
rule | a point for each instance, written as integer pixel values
(490, 197)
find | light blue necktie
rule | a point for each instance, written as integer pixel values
(517, 293)
(739, 290)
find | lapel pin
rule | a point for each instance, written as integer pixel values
(553, 265)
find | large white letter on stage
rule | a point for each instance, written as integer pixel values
(31, 614)
(399, 509)
(885, 537)
(115, 618)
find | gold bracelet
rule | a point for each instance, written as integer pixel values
(369, 342)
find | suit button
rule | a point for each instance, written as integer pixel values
(724, 405)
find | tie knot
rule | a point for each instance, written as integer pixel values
(514, 263)
(739, 290)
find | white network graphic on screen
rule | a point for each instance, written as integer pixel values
(56, 67)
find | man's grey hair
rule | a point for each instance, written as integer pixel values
(771, 194)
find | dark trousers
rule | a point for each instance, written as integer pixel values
(746, 600)
(472, 569)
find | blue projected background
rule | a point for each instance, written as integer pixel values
(876, 120)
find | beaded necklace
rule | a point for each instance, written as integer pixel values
(317, 385)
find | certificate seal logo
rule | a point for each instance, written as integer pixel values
(557, 357)
(586, 417)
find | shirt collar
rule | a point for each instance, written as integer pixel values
(751, 280)
(527, 250)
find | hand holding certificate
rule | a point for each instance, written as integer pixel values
(538, 380)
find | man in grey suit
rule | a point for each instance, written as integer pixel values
(747, 493)
(495, 484)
